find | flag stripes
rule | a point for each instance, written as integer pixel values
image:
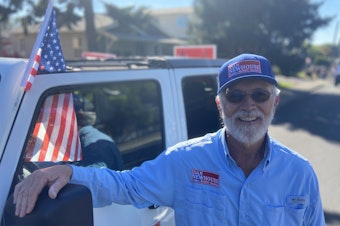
(34, 70)
(55, 136)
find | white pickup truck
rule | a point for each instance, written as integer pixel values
(144, 105)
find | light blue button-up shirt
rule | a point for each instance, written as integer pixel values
(202, 183)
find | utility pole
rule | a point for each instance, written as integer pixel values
(335, 36)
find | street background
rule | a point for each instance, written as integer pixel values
(308, 121)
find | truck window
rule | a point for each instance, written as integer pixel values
(200, 109)
(119, 125)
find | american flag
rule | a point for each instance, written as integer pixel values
(49, 57)
(55, 136)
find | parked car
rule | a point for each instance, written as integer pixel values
(144, 105)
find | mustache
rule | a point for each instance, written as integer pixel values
(245, 114)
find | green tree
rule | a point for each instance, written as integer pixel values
(130, 16)
(69, 17)
(87, 6)
(36, 10)
(131, 22)
(274, 28)
(8, 7)
(65, 10)
(322, 55)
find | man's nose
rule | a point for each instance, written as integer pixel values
(248, 103)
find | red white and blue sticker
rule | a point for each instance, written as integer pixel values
(205, 177)
(242, 67)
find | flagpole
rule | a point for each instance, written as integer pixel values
(37, 43)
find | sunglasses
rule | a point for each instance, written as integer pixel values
(237, 96)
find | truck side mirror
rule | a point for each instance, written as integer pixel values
(73, 206)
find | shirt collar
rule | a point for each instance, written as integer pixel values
(224, 143)
(228, 157)
(267, 150)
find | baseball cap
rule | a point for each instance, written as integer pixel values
(245, 66)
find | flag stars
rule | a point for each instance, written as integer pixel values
(53, 58)
(49, 58)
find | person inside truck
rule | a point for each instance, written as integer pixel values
(238, 175)
(98, 149)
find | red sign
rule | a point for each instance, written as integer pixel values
(196, 51)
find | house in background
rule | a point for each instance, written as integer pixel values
(169, 30)
(73, 41)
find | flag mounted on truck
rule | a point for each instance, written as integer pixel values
(55, 136)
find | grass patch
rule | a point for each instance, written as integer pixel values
(302, 75)
(285, 85)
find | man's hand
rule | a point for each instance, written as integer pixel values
(27, 191)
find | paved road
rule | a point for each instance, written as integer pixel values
(311, 126)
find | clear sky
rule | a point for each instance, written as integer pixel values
(330, 33)
(323, 35)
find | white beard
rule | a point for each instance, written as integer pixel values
(248, 134)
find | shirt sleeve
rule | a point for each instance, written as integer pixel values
(143, 186)
(314, 215)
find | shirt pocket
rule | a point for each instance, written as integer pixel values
(282, 216)
(205, 207)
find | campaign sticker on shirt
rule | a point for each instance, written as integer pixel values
(205, 177)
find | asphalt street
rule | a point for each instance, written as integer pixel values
(308, 121)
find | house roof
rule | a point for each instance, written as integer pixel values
(100, 21)
(107, 27)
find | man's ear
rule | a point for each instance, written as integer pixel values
(218, 104)
(217, 101)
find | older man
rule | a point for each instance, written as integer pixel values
(238, 175)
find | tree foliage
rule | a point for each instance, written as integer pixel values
(322, 55)
(66, 15)
(132, 27)
(8, 7)
(274, 28)
(129, 16)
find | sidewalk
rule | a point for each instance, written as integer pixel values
(298, 87)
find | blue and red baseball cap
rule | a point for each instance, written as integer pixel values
(245, 66)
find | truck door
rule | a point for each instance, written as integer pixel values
(126, 112)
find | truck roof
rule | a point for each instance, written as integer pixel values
(12, 69)
(12, 72)
(165, 62)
